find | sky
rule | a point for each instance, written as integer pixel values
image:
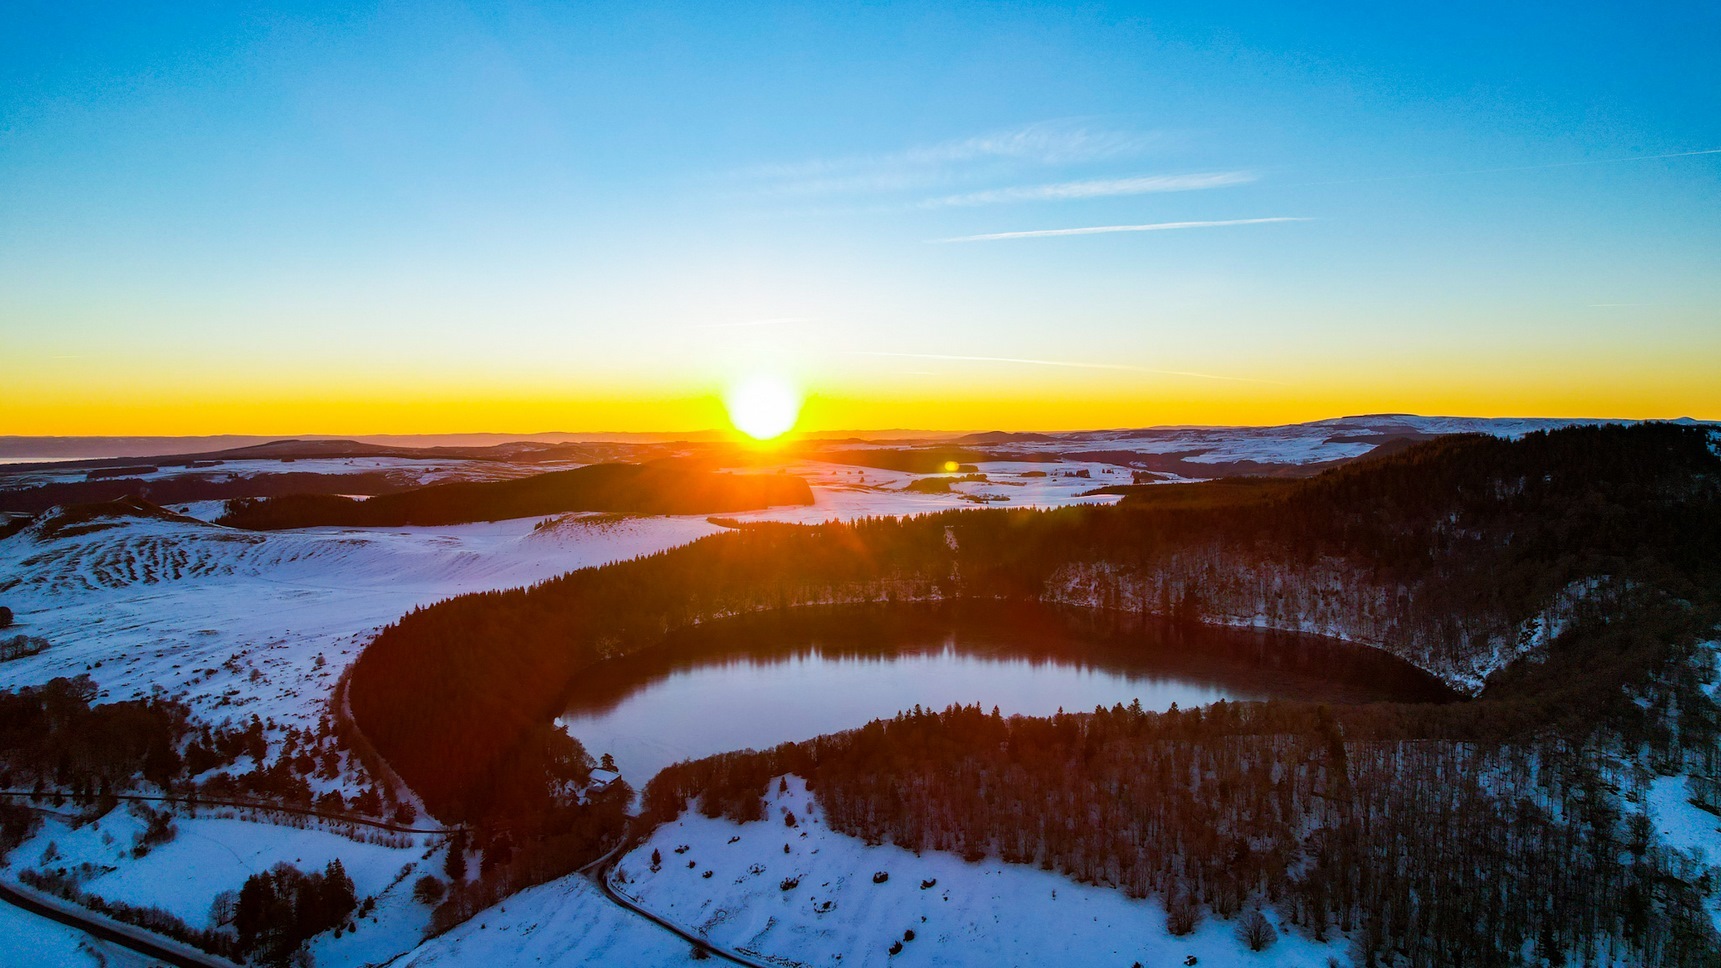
(445, 217)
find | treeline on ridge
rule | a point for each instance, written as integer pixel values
(184, 488)
(1368, 820)
(659, 487)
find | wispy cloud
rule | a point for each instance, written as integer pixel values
(1097, 188)
(1104, 229)
(1046, 143)
(1070, 364)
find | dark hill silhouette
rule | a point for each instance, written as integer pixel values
(658, 488)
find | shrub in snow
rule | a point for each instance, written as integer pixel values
(896, 948)
(879, 877)
(159, 830)
(224, 908)
(789, 883)
(1256, 931)
(5, 616)
(19, 646)
(1181, 916)
(428, 890)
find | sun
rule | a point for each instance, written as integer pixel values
(763, 407)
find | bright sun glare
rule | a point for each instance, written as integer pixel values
(763, 407)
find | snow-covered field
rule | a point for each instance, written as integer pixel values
(208, 855)
(728, 885)
(233, 622)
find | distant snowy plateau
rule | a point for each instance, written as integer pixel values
(238, 623)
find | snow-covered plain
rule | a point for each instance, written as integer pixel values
(986, 913)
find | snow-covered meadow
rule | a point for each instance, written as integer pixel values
(819, 902)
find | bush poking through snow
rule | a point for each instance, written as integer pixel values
(20, 646)
(159, 829)
(1181, 916)
(879, 877)
(428, 890)
(1256, 931)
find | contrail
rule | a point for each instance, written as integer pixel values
(1102, 229)
(1063, 363)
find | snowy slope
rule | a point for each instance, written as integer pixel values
(232, 622)
(562, 924)
(35, 942)
(206, 856)
(981, 914)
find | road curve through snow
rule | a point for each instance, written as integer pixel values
(126, 936)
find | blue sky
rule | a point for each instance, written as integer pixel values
(560, 205)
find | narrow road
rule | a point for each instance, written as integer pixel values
(599, 871)
(136, 939)
(243, 804)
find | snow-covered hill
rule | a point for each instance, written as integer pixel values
(806, 895)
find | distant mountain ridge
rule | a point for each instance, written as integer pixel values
(16, 448)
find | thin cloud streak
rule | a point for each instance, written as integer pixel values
(1097, 188)
(1045, 143)
(1105, 229)
(1515, 168)
(1070, 364)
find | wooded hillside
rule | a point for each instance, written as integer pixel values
(663, 487)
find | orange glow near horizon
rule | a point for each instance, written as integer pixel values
(335, 411)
